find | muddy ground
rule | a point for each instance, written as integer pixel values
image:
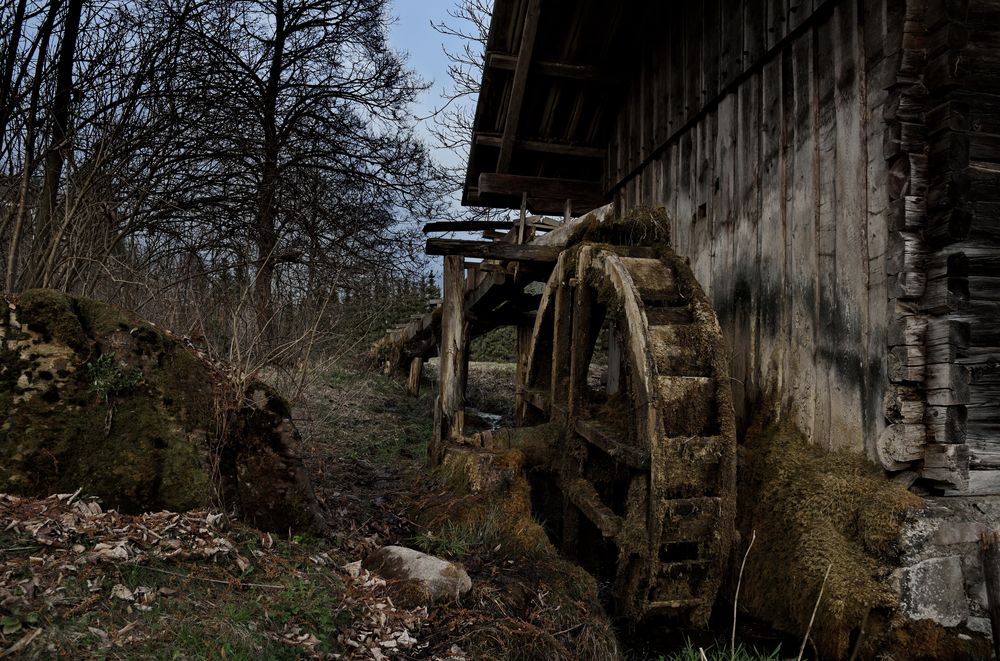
(77, 581)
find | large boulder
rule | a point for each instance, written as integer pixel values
(92, 397)
(433, 578)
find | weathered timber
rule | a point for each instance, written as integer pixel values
(555, 190)
(416, 372)
(518, 86)
(582, 494)
(453, 357)
(557, 148)
(493, 250)
(467, 225)
(549, 68)
(606, 439)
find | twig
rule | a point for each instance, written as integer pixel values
(215, 580)
(19, 548)
(736, 597)
(21, 644)
(802, 649)
(701, 654)
(572, 628)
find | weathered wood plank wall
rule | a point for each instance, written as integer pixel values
(831, 169)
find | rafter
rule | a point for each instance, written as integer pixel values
(549, 68)
(519, 84)
(560, 149)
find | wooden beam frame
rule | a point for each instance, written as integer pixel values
(493, 250)
(510, 185)
(468, 225)
(559, 149)
(519, 84)
(505, 62)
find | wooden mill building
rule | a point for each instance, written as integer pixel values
(831, 169)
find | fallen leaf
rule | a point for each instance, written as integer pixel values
(119, 591)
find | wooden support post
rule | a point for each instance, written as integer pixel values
(991, 570)
(562, 324)
(574, 450)
(614, 360)
(416, 371)
(453, 342)
(524, 335)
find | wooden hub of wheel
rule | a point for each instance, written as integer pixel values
(644, 473)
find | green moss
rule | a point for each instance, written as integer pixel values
(103, 319)
(51, 313)
(138, 448)
(812, 509)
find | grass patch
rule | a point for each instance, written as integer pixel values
(721, 653)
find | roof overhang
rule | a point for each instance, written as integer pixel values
(547, 105)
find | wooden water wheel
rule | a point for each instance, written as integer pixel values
(645, 471)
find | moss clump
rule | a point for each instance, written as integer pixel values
(51, 314)
(812, 509)
(95, 398)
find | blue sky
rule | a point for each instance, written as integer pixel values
(412, 33)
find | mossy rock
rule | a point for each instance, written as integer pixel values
(146, 435)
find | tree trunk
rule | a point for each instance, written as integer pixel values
(45, 32)
(55, 157)
(266, 237)
(9, 61)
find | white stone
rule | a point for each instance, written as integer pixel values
(443, 580)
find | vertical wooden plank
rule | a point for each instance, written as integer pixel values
(802, 204)
(711, 49)
(771, 237)
(726, 179)
(777, 13)
(452, 361)
(745, 259)
(798, 11)
(693, 61)
(827, 309)
(847, 426)
(754, 31)
(877, 82)
(677, 69)
(661, 56)
(685, 186)
(732, 42)
(413, 382)
(700, 247)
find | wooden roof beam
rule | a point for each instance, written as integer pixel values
(468, 225)
(519, 85)
(504, 62)
(559, 149)
(538, 187)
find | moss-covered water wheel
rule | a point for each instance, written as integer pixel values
(645, 472)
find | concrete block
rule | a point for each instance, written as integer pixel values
(935, 590)
(951, 532)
